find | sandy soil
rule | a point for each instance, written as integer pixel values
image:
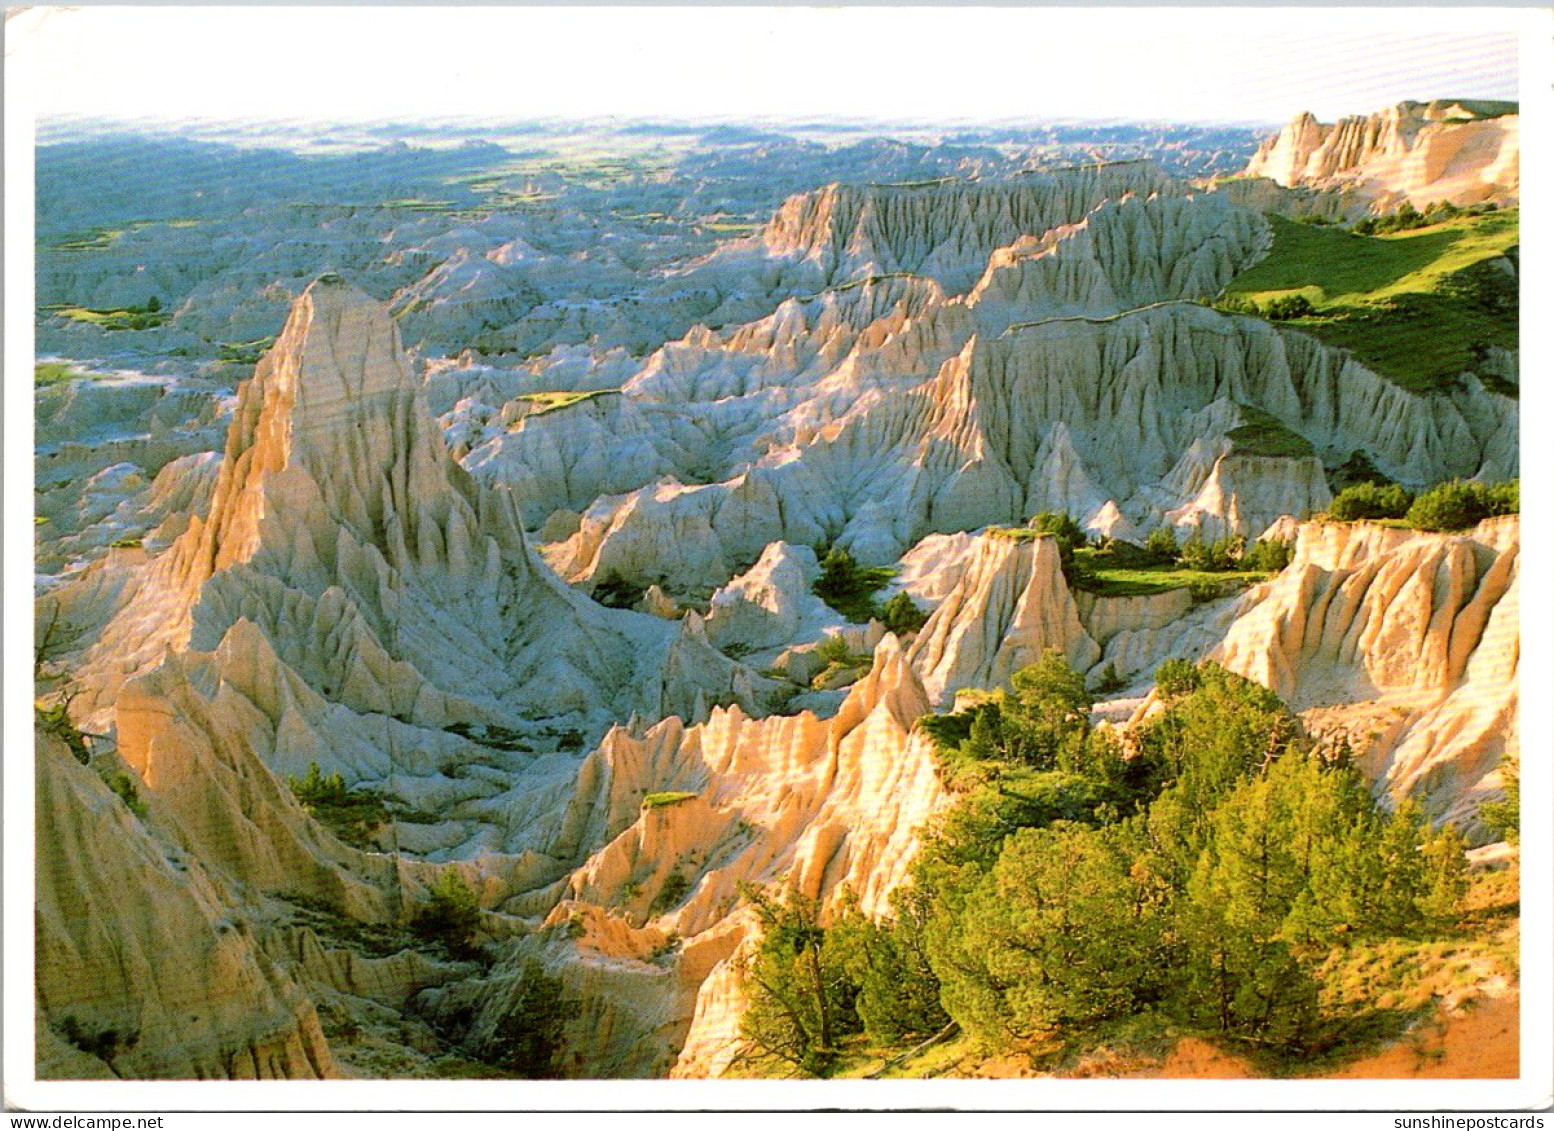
(1478, 1043)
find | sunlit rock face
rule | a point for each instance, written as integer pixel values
(398, 567)
(139, 959)
(1421, 626)
(1460, 151)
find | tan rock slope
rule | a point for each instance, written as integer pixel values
(1405, 642)
(1455, 150)
(353, 599)
(142, 971)
(339, 589)
(1008, 608)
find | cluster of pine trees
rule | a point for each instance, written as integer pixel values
(1202, 875)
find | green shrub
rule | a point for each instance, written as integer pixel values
(1204, 589)
(1214, 906)
(1176, 678)
(1505, 498)
(54, 719)
(353, 815)
(898, 992)
(123, 787)
(665, 799)
(1504, 817)
(848, 587)
(1235, 304)
(1220, 555)
(104, 1044)
(527, 1041)
(1162, 544)
(801, 993)
(676, 888)
(1289, 306)
(1460, 504)
(1358, 468)
(1370, 501)
(1407, 218)
(1276, 309)
(451, 916)
(901, 615)
(1269, 554)
(615, 592)
(1069, 534)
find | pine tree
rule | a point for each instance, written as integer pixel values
(801, 994)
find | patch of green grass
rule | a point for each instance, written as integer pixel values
(1144, 582)
(665, 799)
(1127, 572)
(125, 544)
(1335, 267)
(1264, 435)
(1414, 306)
(558, 400)
(1018, 533)
(244, 353)
(130, 318)
(96, 239)
(1124, 570)
(47, 373)
(418, 204)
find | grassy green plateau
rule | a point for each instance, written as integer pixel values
(1413, 306)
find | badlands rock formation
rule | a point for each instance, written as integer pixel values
(905, 371)
(820, 805)
(1008, 608)
(139, 959)
(945, 230)
(1414, 634)
(882, 412)
(1460, 151)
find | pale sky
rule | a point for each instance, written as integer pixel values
(903, 64)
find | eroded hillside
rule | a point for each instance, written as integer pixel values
(450, 709)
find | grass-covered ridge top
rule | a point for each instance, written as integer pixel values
(47, 373)
(1415, 306)
(554, 401)
(1264, 435)
(666, 798)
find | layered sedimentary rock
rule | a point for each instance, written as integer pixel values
(1009, 607)
(1423, 626)
(886, 370)
(1123, 255)
(375, 569)
(945, 230)
(142, 969)
(354, 599)
(771, 604)
(816, 805)
(1070, 376)
(1460, 151)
